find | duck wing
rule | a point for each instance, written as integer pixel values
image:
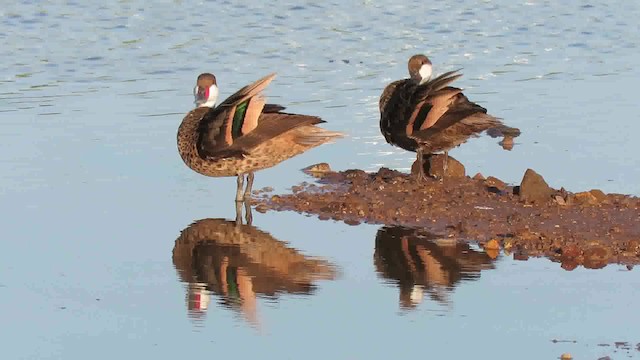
(235, 117)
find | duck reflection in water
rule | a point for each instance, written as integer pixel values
(238, 263)
(421, 262)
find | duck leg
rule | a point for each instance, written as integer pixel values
(247, 209)
(238, 213)
(239, 194)
(446, 164)
(247, 192)
(420, 160)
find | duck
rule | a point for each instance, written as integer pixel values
(243, 134)
(425, 115)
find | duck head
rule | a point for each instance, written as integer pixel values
(206, 90)
(420, 68)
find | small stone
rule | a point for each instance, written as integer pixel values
(495, 183)
(319, 167)
(317, 170)
(569, 265)
(534, 189)
(599, 195)
(506, 143)
(585, 198)
(492, 245)
(596, 257)
(566, 356)
(632, 245)
(615, 230)
(355, 173)
(520, 256)
(478, 176)
(570, 251)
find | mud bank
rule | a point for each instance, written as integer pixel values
(589, 228)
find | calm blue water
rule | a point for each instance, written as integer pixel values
(93, 193)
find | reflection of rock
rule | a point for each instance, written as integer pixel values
(239, 263)
(507, 143)
(421, 262)
(317, 170)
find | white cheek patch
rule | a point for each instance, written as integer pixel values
(213, 97)
(425, 72)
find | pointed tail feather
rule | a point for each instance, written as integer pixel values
(272, 108)
(314, 136)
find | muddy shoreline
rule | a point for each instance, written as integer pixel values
(591, 228)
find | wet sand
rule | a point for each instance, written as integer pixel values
(591, 228)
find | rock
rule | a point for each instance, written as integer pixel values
(598, 194)
(566, 356)
(507, 245)
(493, 254)
(569, 265)
(478, 176)
(560, 200)
(585, 198)
(507, 143)
(386, 173)
(492, 245)
(434, 166)
(318, 169)
(520, 256)
(570, 251)
(534, 189)
(596, 257)
(494, 182)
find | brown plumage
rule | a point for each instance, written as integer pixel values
(428, 116)
(243, 134)
(240, 263)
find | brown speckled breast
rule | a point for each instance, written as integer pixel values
(263, 156)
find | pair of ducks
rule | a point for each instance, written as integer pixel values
(244, 134)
